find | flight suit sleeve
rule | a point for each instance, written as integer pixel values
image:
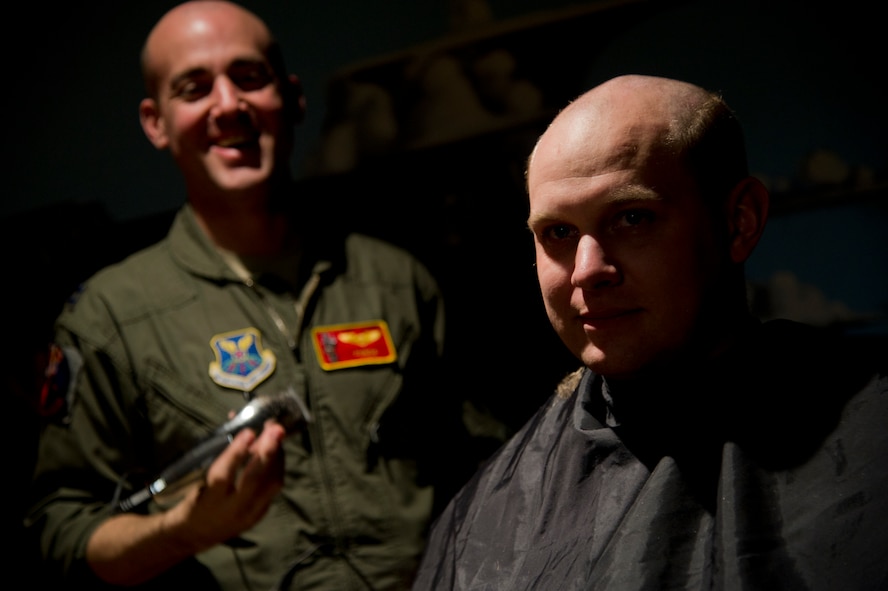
(84, 447)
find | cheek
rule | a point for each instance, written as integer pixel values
(270, 113)
(554, 283)
(185, 127)
(277, 136)
(675, 286)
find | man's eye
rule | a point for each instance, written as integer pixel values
(558, 232)
(192, 90)
(635, 217)
(252, 79)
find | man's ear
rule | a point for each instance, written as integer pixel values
(153, 124)
(747, 216)
(295, 98)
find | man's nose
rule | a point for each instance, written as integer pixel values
(227, 97)
(594, 268)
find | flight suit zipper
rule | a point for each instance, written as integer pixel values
(301, 306)
(313, 428)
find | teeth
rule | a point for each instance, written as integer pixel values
(231, 141)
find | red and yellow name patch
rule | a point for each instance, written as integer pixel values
(350, 345)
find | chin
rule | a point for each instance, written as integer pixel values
(242, 181)
(592, 357)
(613, 364)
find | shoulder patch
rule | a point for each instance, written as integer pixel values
(57, 393)
(348, 345)
(241, 362)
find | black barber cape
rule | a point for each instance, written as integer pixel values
(766, 471)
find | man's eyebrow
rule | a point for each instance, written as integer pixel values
(248, 61)
(631, 193)
(536, 220)
(200, 71)
(622, 195)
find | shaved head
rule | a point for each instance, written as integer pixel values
(648, 117)
(194, 15)
(628, 108)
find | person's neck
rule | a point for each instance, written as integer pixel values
(247, 224)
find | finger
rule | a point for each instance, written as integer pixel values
(263, 473)
(266, 457)
(269, 439)
(225, 468)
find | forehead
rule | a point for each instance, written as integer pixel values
(613, 131)
(207, 40)
(585, 163)
(589, 149)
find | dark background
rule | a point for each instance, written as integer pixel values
(408, 162)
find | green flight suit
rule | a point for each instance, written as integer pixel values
(162, 346)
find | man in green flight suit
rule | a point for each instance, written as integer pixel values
(248, 296)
